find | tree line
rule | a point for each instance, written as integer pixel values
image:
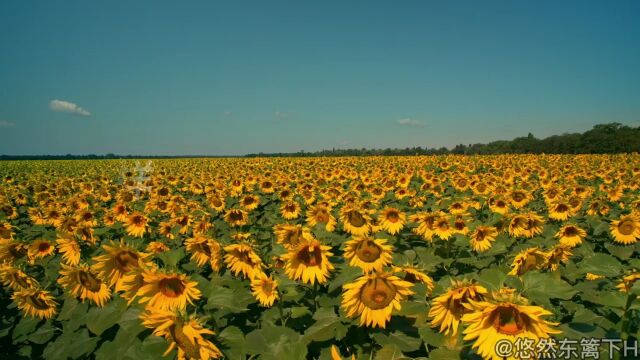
(601, 139)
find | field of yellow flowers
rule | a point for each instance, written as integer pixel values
(320, 258)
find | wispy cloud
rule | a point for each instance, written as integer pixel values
(227, 113)
(409, 122)
(5, 124)
(68, 107)
(281, 114)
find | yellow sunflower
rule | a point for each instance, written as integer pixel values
(236, 217)
(373, 297)
(448, 308)
(355, 221)
(40, 249)
(136, 224)
(15, 278)
(265, 289)
(442, 227)
(184, 334)
(368, 253)
(321, 214)
(241, 258)
(593, 277)
(529, 259)
(204, 250)
(118, 260)
(571, 235)
(483, 237)
(35, 302)
(290, 210)
(628, 281)
(426, 224)
(414, 275)
(167, 291)
(250, 202)
(81, 282)
(560, 211)
(507, 316)
(560, 254)
(309, 262)
(70, 250)
(392, 220)
(289, 235)
(625, 230)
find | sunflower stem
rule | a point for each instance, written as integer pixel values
(282, 320)
(625, 317)
(315, 296)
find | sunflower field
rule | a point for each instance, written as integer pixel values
(438, 257)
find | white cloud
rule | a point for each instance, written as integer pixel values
(68, 107)
(4, 123)
(281, 114)
(227, 113)
(409, 122)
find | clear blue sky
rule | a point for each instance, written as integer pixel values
(233, 77)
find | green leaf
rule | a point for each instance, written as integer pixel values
(276, 343)
(232, 300)
(389, 352)
(601, 264)
(26, 326)
(43, 334)
(347, 274)
(327, 326)
(299, 311)
(430, 336)
(100, 319)
(444, 354)
(403, 341)
(492, 279)
(173, 257)
(234, 341)
(151, 348)
(540, 287)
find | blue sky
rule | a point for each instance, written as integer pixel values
(234, 77)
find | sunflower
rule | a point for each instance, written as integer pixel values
(118, 260)
(442, 227)
(519, 198)
(507, 316)
(184, 334)
(355, 221)
(625, 230)
(35, 302)
(560, 254)
(6, 231)
(166, 229)
(498, 206)
(309, 262)
(570, 235)
(157, 247)
(447, 309)
(560, 211)
(241, 258)
(483, 237)
(368, 253)
(392, 220)
(290, 210)
(628, 281)
(70, 250)
(216, 202)
(289, 235)
(250, 202)
(529, 259)
(204, 250)
(136, 224)
(321, 214)
(236, 217)
(265, 289)
(11, 251)
(40, 249)
(373, 297)
(593, 277)
(130, 283)
(15, 278)
(81, 282)
(426, 224)
(414, 275)
(167, 291)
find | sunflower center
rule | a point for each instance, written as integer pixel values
(171, 287)
(137, 220)
(36, 302)
(518, 196)
(562, 208)
(236, 216)
(393, 216)
(311, 256)
(626, 227)
(570, 231)
(43, 247)
(89, 281)
(480, 235)
(217, 202)
(356, 219)
(126, 260)
(248, 200)
(322, 217)
(4, 233)
(377, 294)
(290, 208)
(292, 236)
(508, 320)
(368, 251)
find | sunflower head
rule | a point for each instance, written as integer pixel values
(448, 308)
(168, 291)
(265, 289)
(35, 302)
(242, 259)
(368, 253)
(309, 262)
